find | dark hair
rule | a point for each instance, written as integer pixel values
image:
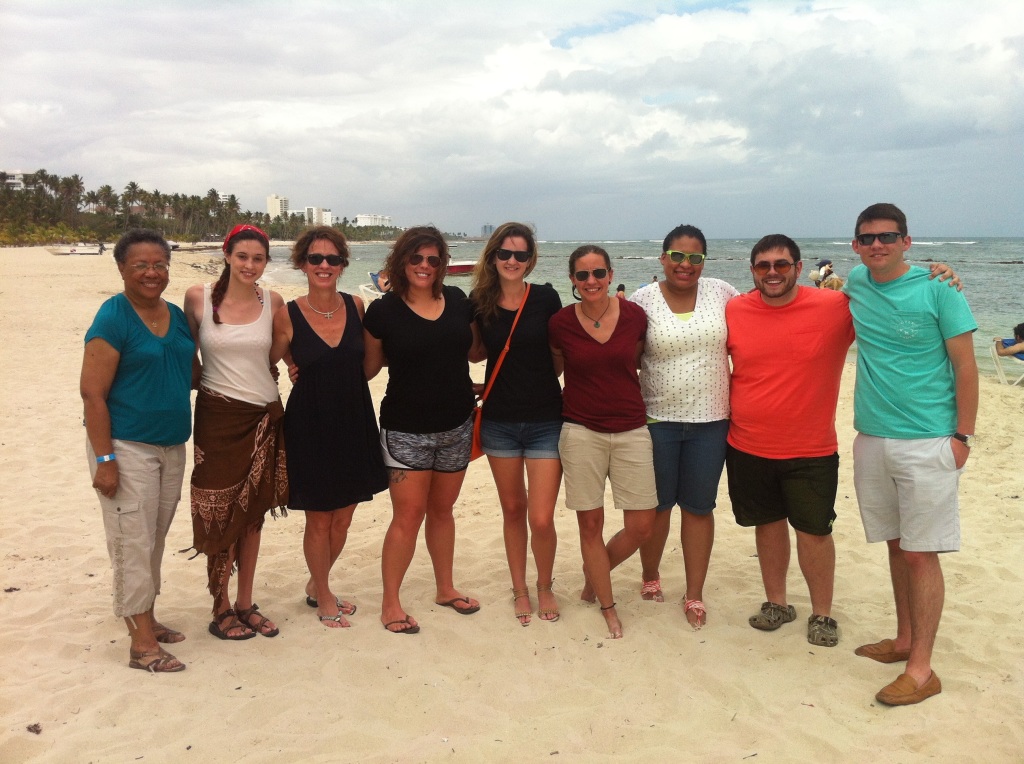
(685, 230)
(411, 240)
(139, 236)
(249, 233)
(588, 249)
(486, 284)
(775, 241)
(1018, 332)
(313, 235)
(882, 211)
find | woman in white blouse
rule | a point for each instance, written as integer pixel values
(684, 376)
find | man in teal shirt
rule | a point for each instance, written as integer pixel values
(915, 405)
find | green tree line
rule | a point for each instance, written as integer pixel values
(55, 210)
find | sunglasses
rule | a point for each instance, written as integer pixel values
(599, 273)
(782, 267)
(693, 258)
(333, 260)
(506, 254)
(867, 239)
(432, 260)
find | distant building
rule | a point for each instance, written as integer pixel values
(224, 198)
(364, 220)
(486, 230)
(319, 216)
(277, 206)
(15, 181)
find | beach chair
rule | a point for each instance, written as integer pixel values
(996, 359)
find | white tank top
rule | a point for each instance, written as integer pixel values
(236, 357)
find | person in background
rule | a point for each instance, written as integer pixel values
(1013, 347)
(240, 471)
(620, 291)
(604, 435)
(334, 459)
(684, 376)
(136, 378)
(424, 332)
(522, 417)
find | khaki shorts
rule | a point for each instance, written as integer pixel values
(624, 458)
(137, 519)
(907, 490)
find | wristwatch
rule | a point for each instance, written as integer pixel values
(967, 440)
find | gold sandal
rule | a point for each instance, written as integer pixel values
(552, 614)
(522, 614)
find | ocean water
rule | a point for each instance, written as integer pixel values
(991, 269)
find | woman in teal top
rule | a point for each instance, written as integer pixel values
(135, 384)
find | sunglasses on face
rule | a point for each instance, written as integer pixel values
(505, 254)
(782, 267)
(599, 273)
(867, 239)
(333, 260)
(432, 260)
(693, 258)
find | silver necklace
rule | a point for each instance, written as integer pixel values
(328, 314)
(597, 321)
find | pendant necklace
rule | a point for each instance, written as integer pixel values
(328, 314)
(597, 321)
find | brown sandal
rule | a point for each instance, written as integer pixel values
(245, 616)
(159, 662)
(230, 618)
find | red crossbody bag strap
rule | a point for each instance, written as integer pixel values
(501, 358)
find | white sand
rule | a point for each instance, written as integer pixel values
(476, 688)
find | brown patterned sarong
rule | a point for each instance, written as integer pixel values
(239, 475)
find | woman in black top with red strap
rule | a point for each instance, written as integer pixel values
(522, 416)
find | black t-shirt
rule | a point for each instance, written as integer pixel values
(526, 389)
(429, 389)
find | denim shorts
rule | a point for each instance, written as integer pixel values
(529, 440)
(688, 462)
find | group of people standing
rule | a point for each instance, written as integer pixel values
(649, 403)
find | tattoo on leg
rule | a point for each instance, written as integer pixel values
(396, 476)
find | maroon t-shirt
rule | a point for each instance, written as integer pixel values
(602, 388)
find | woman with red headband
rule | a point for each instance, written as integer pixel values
(239, 448)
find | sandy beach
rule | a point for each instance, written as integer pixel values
(479, 688)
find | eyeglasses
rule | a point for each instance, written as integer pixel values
(506, 254)
(158, 267)
(782, 267)
(599, 273)
(432, 260)
(693, 258)
(867, 239)
(334, 260)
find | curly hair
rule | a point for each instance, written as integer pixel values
(139, 236)
(486, 291)
(406, 245)
(325, 233)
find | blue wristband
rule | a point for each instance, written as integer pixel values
(107, 458)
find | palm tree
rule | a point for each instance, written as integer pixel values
(129, 199)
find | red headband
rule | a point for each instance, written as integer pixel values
(238, 229)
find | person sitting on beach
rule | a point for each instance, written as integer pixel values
(604, 423)
(1014, 347)
(136, 378)
(334, 458)
(824, 277)
(240, 471)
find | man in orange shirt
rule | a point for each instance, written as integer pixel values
(788, 345)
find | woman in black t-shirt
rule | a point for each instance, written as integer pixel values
(522, 417)
(424, 333)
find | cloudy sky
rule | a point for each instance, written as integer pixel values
(593, 119)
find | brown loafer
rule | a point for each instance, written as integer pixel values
(883, 652)
(905, 692)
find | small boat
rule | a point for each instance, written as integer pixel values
(461, 267)
(80, 249)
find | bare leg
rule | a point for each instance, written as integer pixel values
(511, 486)
(409, 491)
(248, 550)
(697, 537)
(773, 556)
(322, 542)
(340, 522)
(637, 527)
(144, 644)
(440, 535)
(900, 576)
(817, 557)
(651, 552)
(545, 478)
(927, 595)
(597, 567)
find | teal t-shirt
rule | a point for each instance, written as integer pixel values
(149, 400)
(905, 385)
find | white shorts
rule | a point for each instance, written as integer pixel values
(907, 490)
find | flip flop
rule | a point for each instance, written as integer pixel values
(346, 608)
(460, 610)
(338, 619)
(411, 630)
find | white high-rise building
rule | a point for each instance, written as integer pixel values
(319, 216)
(277, 206)
(364, 219)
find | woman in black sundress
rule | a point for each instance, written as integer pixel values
(334, 456)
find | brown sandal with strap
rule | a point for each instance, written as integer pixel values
(245, 616)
